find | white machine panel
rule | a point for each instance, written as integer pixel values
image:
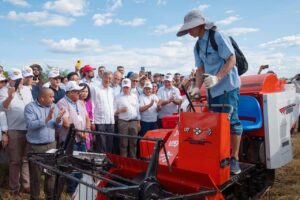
(280, 112)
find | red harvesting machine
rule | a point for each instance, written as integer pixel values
(190, 157)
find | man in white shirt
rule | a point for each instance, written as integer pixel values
(116, 83)
(13, 101)
(103, 101)
(127, 108)
(134, 78)
(148, 109)
(169, 97)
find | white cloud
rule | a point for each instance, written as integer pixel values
(228, 20)
(40, 18)
(72, 45)
(22, 3)
(134, 22)
(283, 65)
(203, 7)
(240, 31)
(229, 11)
(114, 5)
(72, 7)
(164, 29)
(102, 19)
(161, 2)
(287, 41)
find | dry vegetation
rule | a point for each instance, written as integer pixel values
(287, 182)
(286, 186)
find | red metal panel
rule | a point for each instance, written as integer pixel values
(203, 151)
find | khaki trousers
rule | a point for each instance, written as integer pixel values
(128, 128)
(18, 164)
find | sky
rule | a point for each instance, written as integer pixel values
(136, 33)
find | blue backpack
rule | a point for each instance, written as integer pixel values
(241, 62)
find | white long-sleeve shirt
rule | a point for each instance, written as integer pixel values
(103, 101)
(3, 123)
(15, 110)
(131, 103)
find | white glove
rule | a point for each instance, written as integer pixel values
(195, 91)
(210, 80)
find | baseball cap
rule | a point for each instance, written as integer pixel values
(72, 85)
(193, 19)
(2, 77)
(15, 74)
(126, 82)
(87, 68)
(168, 78)
(26, 72)
(53, 73)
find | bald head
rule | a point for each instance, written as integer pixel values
(46, 97)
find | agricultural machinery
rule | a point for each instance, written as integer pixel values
(189, 158)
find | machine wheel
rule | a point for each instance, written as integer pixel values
(150, 190)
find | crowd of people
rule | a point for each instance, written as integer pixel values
(35, 115)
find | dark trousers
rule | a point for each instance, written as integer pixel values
(71, 185)
(104, 143)
(116, 140)
(35, 173)
(147, 126)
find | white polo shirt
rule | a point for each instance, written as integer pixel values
(165, 94)
(103, 101)
(132, 104)
(150, 115)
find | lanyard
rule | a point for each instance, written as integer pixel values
(74, 105)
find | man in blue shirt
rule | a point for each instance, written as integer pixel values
(217, 70)
(41, 117)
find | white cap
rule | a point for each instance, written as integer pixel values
(26, 72)
(53, 73)
(126, 83)
(72, 85)
(168, 78)
(15, 74)
(148, 85)
(2, 77)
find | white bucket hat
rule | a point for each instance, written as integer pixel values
(193, 19)
(72, 85)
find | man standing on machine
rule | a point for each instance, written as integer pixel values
(216, 69)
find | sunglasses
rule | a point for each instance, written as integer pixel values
(135, 81)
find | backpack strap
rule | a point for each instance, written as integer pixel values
(211, 39)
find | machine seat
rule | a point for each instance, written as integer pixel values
(250, 113)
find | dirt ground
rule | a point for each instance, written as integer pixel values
(286, 186)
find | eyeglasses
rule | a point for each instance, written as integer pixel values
(56, 78)
(135, 81)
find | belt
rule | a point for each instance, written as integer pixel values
(131, 120)
(41, 144)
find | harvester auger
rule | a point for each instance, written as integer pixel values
(189, 157)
